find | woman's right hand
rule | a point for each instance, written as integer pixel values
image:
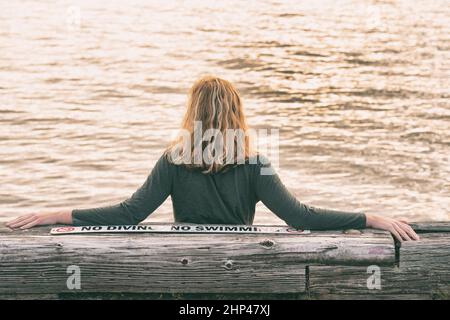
(400, 229)
(41, 218)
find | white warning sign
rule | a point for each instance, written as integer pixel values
(178, 228)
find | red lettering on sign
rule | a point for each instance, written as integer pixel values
(65, 229)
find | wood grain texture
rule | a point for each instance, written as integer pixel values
(429, 227)
(321, 265)
(35, 262)
(423, 273)
(428, 263)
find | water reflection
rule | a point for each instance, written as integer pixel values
(358, 89)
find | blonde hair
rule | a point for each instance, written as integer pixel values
(215, 105)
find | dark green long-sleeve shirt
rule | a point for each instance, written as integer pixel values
(227, 197)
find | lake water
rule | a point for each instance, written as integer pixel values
(91, 92)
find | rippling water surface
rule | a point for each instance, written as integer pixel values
(91, 91)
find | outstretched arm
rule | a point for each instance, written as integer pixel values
(272, 192)
(133, 210)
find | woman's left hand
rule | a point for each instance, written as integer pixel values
(40, 218)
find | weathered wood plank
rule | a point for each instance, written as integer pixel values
(37, 296)
(428, 261)
(36, 262)
(144, 264)
(428, 227)
(423, 273)
(350, 282)
(156, 296)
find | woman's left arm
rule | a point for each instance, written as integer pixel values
(133, 210)
(155, 190)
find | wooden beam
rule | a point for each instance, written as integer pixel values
(423, 273)
(35, 262)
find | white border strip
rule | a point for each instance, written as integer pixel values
(178, 228)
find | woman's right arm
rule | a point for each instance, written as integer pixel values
(272, 192)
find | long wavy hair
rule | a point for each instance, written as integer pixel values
(214, 133)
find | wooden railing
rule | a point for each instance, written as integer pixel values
(352, 264)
